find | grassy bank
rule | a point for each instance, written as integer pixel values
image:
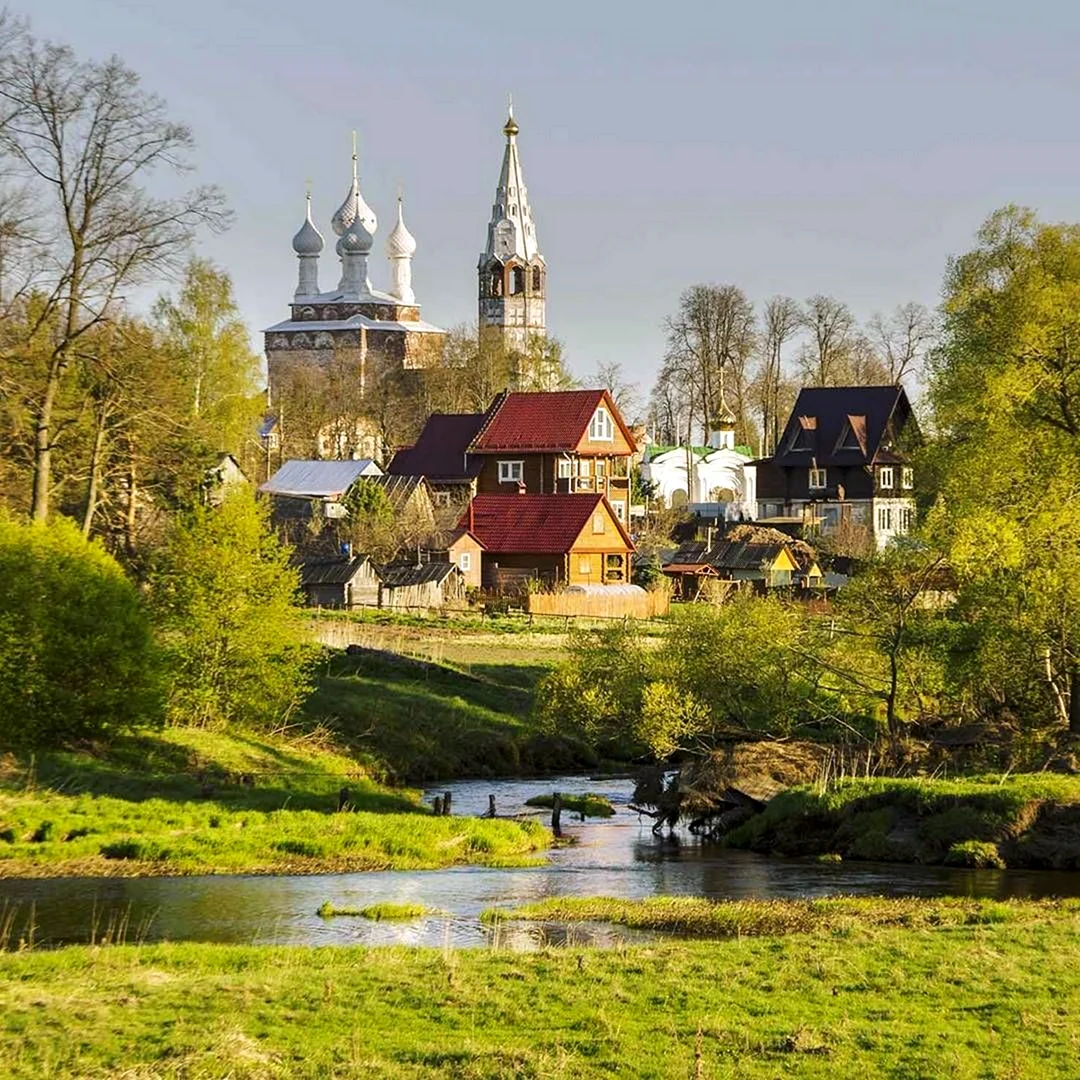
(999, 998)
(1028, 820)
(415, 720)
(192, 801)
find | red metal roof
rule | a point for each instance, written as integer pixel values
(545, 421)
(535, 524)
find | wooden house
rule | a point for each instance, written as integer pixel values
(341, 582)
(556, 442)
(423, 585)
(569, 539)
(460, 547)
(843, 462)
(763, 565)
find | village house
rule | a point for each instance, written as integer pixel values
(554, 539)
(460, 547)
(550, 442)
(300, 489)
(420, 585)
(843, 463)
(340, 582)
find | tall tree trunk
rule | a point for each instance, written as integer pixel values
(1074, 700)
(129, 513)
(94, 479)
(39, 502)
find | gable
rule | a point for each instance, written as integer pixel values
(554, 421)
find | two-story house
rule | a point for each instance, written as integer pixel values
(843, 461)
(558, 442)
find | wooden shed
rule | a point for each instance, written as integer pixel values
(339, 582)
(428, 585)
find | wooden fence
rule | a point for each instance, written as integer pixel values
(617, 605)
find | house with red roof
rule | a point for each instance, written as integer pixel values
(543, 443)
(573, 539)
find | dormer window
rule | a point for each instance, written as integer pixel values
(804, 433)
(818, 479)
(853, 427)
(601, 427)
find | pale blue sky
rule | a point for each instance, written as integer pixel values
(841, 146)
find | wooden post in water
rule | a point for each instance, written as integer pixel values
(556, 815)
(436, 806)
(446, 804)
(491, 806)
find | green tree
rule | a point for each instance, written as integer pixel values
(1005, 391)
(77, 656)
(224, 594)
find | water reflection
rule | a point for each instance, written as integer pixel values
(619, 857)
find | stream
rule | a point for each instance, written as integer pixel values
(617, 857)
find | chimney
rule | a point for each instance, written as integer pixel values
(708, 540)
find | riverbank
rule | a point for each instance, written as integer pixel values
(1016, 821)
(190, 801)
(991, 997)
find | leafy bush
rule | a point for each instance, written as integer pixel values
(223, 596)
(77, 657)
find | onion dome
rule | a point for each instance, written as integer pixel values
(354, 207)
(723, 416)
(400, 244)
(356, 239)
(308, 241)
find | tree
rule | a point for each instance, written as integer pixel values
(710, 341)
(223, 595)
(831, 327)
(1005, 391)
(610, 376)
(903, 340)
(81, 138)
(77, 657)
(782, 321)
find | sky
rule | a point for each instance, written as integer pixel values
(846, 147)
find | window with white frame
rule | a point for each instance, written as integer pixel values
(884, 519)
(818, 478)
(885, 477)
(566, 468)
(907, 477)
(598, 468)
(510, 472)
(584, 466)
(601, 427)
(584, 565)
(465, 561)
(442, 498)
(906, 517)
(620, 509)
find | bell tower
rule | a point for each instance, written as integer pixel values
(512, 272)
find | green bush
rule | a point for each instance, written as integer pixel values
(77, 656)
(224, 602)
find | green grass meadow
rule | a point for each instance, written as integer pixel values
(969, 1000)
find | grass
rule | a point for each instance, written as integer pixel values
(419, 721)
(585, 805)
(970, 999)
(186, 801)
(377, 912)
(1022, 820)
(696, 916)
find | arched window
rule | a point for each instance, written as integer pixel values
(496, 282)
(538, 279)
(517, 281)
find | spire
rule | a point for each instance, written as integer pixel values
(511, 231)
(354, 206)
(722, 422)
(400, 248)
(308, 245)
(355, 223)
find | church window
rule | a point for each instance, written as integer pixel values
(601, 429)
(496, 282)
(537, 279)
(818, 478)
(517, 281)
(510, 472)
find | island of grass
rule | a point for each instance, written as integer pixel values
(971, 989)
(192, 801)
(585, 805)
(385, 912)
(1021, 820)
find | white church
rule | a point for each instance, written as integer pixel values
(717, 480)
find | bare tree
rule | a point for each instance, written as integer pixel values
(83, 137)
(831, 326)
(610, 377)
(903, 340)
(781, 322)
(710, 341)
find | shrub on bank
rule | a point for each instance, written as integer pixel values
(77, 657)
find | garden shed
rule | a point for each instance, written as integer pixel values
(428, 585)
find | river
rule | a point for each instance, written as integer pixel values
(616, 857)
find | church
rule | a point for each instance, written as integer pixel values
(348, 327)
